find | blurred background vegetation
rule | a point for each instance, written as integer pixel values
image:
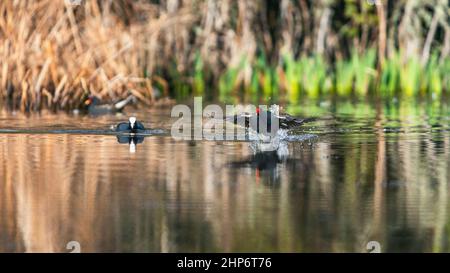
(55, 53)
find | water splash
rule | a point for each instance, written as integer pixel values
(266, 143)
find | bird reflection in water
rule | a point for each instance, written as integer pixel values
(131, 140)
(266, 159)
(270, 155)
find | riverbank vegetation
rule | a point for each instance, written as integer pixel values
(56, 53)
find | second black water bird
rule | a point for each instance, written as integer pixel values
(95, 107)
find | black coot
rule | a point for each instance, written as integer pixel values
(132, 126)
(95, 107)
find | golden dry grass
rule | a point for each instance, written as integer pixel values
(54, 54)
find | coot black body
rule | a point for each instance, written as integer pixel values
(132, 126)
(94, 106)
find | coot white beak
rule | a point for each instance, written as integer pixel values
(132, 122)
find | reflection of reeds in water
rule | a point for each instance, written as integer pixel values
(41, 181)
(178, 196)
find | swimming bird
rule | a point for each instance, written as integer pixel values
(132, 126)
(265, 118)
(94, 106)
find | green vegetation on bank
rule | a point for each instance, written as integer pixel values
(312, 77)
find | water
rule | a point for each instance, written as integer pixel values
(363, 172)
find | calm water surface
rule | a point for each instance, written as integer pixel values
(369, 173)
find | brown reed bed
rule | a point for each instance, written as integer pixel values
(54, 54)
